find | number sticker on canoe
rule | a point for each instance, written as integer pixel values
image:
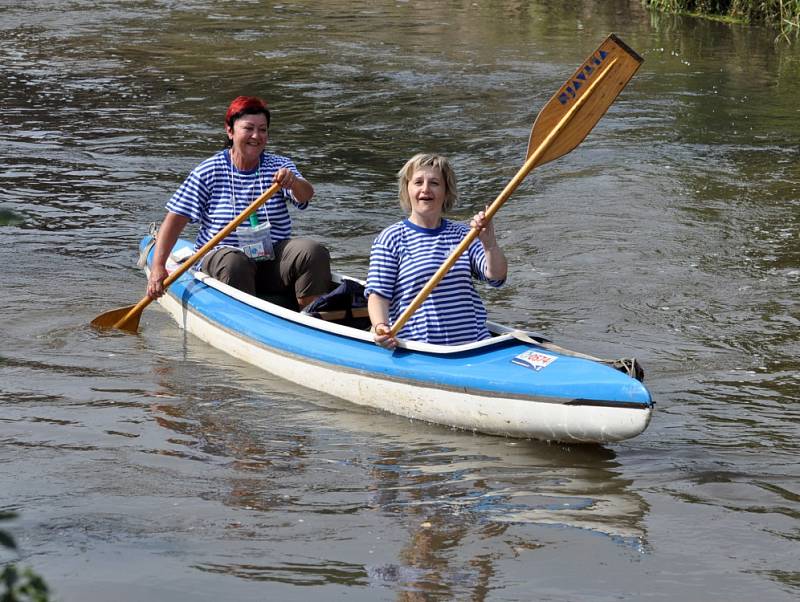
(536, 360)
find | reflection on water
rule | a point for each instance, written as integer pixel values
(335, 466)
(670, 234)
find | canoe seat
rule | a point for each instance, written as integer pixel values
(344, 303)
(355, 316)
(336, 315)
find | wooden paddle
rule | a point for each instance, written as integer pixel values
(127, 318)
(561, 125)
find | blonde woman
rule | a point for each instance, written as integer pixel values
(406, 254)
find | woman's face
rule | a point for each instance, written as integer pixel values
(426, 191)
(249, 136)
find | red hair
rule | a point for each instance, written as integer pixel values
(245, 105)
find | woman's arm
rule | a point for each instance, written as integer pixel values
(301, 189)
(496, 263)
(167, 236)
(378, 308)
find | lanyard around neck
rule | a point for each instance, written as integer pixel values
(233, 184)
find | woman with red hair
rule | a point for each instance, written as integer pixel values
(260, 258)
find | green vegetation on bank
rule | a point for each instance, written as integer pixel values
(19, 585)
(784, 14)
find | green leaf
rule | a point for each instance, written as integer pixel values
(7, 541)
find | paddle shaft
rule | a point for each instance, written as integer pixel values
(215, 240)
(526, 168)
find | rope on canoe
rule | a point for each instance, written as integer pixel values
(629, 366)
(146, 249)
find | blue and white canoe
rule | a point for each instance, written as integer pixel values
(504, 385)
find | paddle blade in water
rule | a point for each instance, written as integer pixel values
(614, 56)
(118, 318)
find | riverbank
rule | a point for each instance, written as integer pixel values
(784, 16)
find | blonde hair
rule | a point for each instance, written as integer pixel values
(428, 160)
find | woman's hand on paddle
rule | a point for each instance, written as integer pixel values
(285, 177)
(167, 236)
(382, 336)
(485, 228)
(300, 188)
(379, 316)
(496, 263)
(155, 282)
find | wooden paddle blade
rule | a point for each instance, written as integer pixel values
(116, 319)
(612, 54)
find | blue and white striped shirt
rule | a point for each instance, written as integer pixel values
(402, 260)
(215, 192)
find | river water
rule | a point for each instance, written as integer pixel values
(152, 467)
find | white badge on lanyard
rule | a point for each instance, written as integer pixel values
(255, 239)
